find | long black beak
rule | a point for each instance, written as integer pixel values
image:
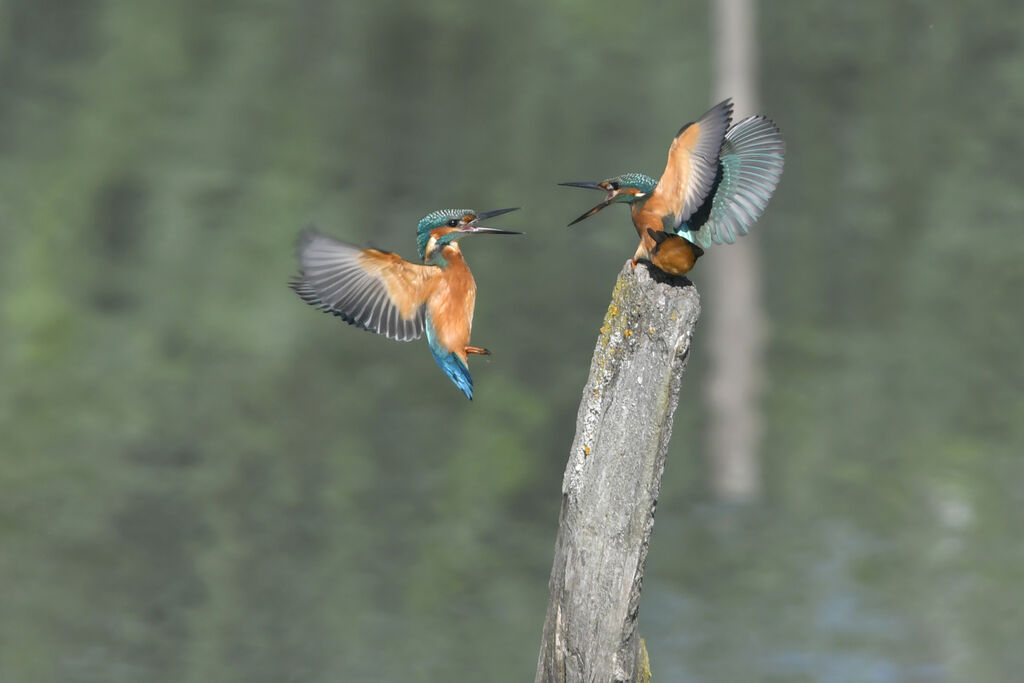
(497, 212)
(590, 186)
(474, 229)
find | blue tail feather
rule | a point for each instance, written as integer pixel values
(450, 363)
(457, 372)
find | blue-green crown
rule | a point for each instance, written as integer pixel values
(639, 181)
(437, 219)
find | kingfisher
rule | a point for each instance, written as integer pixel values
(381, 292)
(716, 184)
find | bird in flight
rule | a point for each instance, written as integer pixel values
(381, 292)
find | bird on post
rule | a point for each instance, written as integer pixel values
(716, 184)
(381, 292)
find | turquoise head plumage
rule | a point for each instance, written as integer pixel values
(442, 227)
(627, 188)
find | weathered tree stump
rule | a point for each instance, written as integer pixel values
(612, 480)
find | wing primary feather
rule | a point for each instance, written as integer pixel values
(751, 163)
(363, 287)
(692, 167)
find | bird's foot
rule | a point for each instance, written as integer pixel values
(477, 351)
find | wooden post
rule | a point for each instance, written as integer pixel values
(612, 480)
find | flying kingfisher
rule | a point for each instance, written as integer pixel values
(381, 292)
(716, 184)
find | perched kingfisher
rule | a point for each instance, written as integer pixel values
(381, 292)
(716, 184)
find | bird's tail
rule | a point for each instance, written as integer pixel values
(452, 365)
(457, 372)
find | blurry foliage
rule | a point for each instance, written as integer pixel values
(203, 479)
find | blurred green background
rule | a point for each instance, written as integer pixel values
(203, 479)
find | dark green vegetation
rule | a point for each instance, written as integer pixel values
(202, 479)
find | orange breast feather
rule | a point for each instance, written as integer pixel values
(645, 216)
(451, 306)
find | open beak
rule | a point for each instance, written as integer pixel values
(592, 186)
(474, 229)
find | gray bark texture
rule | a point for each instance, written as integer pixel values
(612, 480)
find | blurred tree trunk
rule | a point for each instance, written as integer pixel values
(736, 318)
(612, 480)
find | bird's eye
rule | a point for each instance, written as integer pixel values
(614, 185)
(452, 223)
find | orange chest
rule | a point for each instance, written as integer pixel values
(451, 306)
(647, 215)
(644, 217)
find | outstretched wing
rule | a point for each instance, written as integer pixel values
(375, 290)
(751, 165)
(692, 164)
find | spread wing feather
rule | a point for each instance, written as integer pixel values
(375, 290)
(752, 158)
(692, 164)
